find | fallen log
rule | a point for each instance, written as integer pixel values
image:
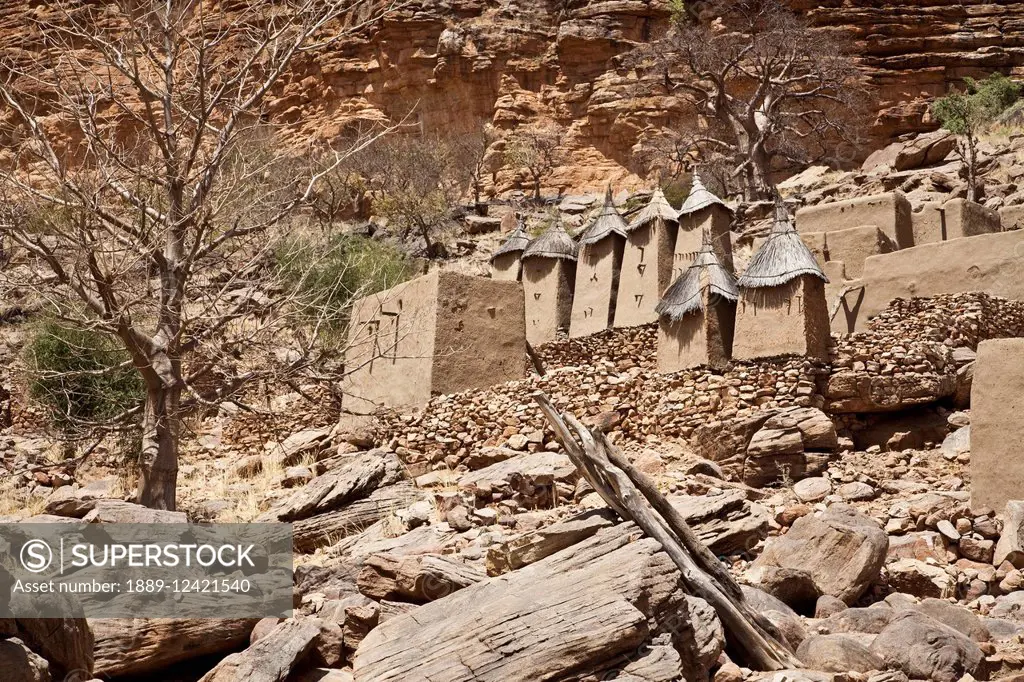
(634, 497)
(143, 646)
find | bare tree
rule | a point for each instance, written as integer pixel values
(151, 186)
(770, 88)
(416, 184)
(535, 149)
(474, 159)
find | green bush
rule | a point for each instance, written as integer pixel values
(328, 274)
(77, 374)
(964, 113)
(676, 191)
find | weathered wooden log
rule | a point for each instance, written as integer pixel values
(272, 658)
(142, 646)
(323, 529)
(590, 452)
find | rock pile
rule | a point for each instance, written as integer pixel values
(908, 357)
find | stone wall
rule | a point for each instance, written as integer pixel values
(610, 379)
(906, 357)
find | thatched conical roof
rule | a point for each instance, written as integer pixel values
(554, 243)
(607, 223)
(699, 197)
(782, 257)
(516, 242)
(686, 293)
(657, 208)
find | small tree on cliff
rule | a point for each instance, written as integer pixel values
(536, 149)
(967, 113)
(149, 186)
(416, 183)
(767, 87)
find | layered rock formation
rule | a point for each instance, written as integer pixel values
(459, 63)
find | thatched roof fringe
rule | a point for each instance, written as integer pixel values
(700, 197)
(657, 208)
(685, 296)
(554, 243)
(783, 256)
(516, 242)
(607, 223)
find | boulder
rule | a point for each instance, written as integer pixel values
(420, 578)
(813, 489)
(838, 654)
(529, 478)
(272, 658)
(1011, 542)
(76, 502)
(353, 517)
(1009, 606)
(119, 511)
(855, 491)
(573, 610)
(828, 605)
(532, 547)
(925, 649)
(842, 549)
(726, 522)
(67, 643)
(920, 579)
(957, 443)
(922, 546)
(794, 587)
(871, 619)
(143, 646)
(19, 664)
(353, 479)
(957, 617)
(778, 613)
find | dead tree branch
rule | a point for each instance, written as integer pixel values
(635, 498)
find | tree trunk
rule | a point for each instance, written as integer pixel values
(971, 159)
(158, 465)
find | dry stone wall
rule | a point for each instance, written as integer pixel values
(906, 357)
(610, 379)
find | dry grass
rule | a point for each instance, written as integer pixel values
(210, 479)
(14, 501)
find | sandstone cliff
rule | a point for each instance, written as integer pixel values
(459, 63)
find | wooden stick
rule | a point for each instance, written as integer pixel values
(704, 557)
(594, 461)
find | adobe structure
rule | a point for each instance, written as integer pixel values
(956, 218)
(782, 309)
(441, 333)
(997, 430)
(646, 262)
(989, 263)
(847, 249)
(702, 211)
(890, 213)
(506, 263)
(599, 261)
(696, 316)
(549, 277)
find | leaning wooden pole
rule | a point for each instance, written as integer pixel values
(599, 463)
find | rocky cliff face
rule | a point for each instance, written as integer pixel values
(458, 63)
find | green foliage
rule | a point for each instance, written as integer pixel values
(328, 274)
(965, 113)
(676, 191)
(677, 10)
(80, 375)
